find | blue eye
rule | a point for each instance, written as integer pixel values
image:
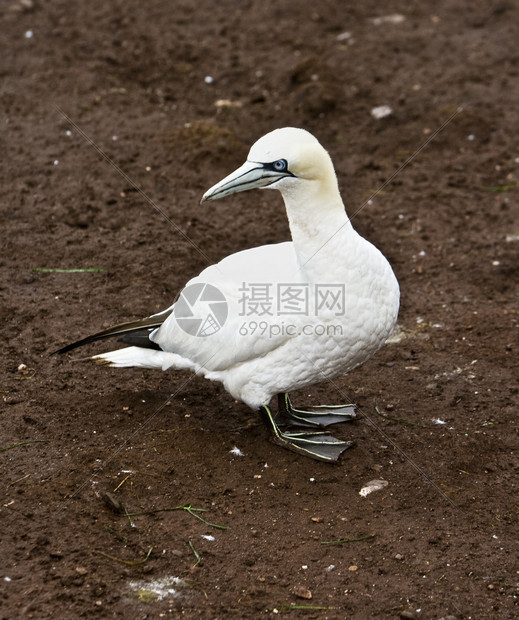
(280, 165)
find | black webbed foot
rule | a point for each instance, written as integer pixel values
(318, 445)
(321, 415)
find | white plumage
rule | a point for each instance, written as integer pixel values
(344, 301)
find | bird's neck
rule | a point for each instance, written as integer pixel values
(319, 225)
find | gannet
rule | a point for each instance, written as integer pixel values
(276, 318)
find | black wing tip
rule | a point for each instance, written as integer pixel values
(72, 346)
(139, 329)
(62, 350)
(140, 338)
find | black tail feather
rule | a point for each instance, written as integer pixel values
(134, 332)
(140, 338)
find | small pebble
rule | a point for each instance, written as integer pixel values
(208, 79)
(373, 485)
(29, 34)
(227, 103)
(353, 568)
(302, 592)
(381, 111)
(394, 18)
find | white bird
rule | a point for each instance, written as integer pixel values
(275, 318)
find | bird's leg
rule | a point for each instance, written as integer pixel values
(317, 445)
(321, 415)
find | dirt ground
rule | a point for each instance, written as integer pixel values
(119, 502)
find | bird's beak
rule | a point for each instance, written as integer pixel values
(249, 176)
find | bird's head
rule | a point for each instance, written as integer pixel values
(285, 159)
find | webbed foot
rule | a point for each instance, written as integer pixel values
(318, 445)
(320, 415)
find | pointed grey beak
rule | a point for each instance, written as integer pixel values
(249, 176)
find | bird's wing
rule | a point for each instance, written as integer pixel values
(247, 282)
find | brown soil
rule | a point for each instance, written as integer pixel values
(440, 540)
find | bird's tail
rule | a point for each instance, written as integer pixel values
(137, 357)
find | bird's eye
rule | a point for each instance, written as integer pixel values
(280, 165)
